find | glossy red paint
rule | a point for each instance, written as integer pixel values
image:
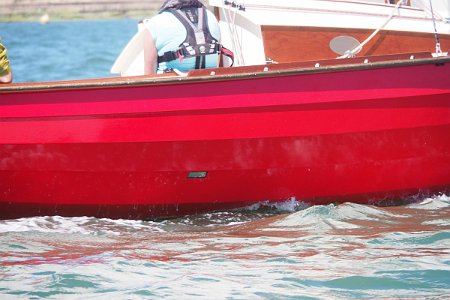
(125, 151)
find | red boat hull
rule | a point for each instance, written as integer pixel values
(145, 151)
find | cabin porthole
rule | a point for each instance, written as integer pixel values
(343, 44)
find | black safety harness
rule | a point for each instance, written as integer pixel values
(199, 42)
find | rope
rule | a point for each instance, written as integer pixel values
(232, 30)
(239, 46)
(180, 73)
(358, 48)
(436, 35)
(425, 7)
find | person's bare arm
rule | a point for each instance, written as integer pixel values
(6, 78)
(150, 53)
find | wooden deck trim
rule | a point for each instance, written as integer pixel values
(235, 73)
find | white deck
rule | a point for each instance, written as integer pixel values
(241, 29)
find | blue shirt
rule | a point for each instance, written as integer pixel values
(168, 33)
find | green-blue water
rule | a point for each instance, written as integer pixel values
(289, 251)
(347, 251)
(65, 50)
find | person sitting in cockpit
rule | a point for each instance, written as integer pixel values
(184, 35)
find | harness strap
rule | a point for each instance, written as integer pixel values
(180, 54)
(198, 30)
(199, 42)
(228, 53)
(199, 33)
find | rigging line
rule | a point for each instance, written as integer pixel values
(229, 29)
(426, 9)
(235, 30)
(233, 35)
(358, 48)
(436, 35)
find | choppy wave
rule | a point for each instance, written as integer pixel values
(291, 213)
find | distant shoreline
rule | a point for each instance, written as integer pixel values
(65, 10)
(71, 15)
(33, 10)
(78, 12)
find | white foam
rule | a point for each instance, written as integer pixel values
(436, 202)
(316, 217)
(44, 224)
(324, 217)
(289, 205)
(78, 225)
(363, 212)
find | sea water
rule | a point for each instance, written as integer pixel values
(285, 251)
(345, 251)
(65, 50)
